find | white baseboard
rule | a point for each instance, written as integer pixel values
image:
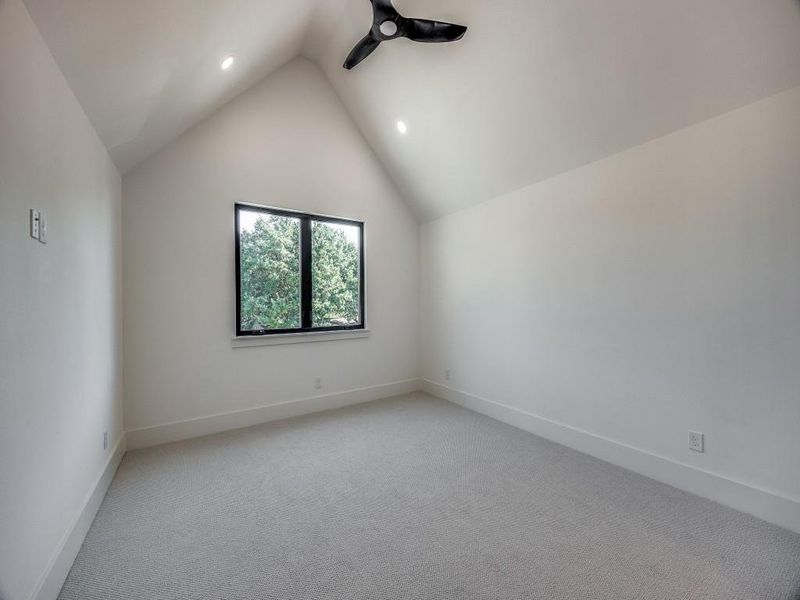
(61, 562)
(183, 430)
(771, 507)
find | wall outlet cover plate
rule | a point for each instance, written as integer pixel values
(696, 441)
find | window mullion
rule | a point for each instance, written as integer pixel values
(305, 272)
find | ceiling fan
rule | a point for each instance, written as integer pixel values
(388, 24)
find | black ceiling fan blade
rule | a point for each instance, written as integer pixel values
(423, 30)
(361, 50)
(383, 7)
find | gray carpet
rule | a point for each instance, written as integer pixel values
(413, 498)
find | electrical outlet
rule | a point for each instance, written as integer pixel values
(318, 383)
(447, 374)
(697, 441)
(35, 222)
(105, 440)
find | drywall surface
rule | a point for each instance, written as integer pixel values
(60, 350)
(289, 143)
(637, 298)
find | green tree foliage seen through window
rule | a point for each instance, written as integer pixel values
(270, 278)
(270, 273)
(335, 272)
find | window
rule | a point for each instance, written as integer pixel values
(297, 273)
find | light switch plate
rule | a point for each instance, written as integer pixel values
(35, 222)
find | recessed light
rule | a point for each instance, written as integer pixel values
(402, 127)
(227, 63)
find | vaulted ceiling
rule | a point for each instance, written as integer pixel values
(536, 87)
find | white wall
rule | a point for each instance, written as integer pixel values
(59, 306)
(650, 293)
(287, 142)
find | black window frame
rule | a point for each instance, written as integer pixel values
(306, 293)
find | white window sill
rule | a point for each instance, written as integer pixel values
(281, 339)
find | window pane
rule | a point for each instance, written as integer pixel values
(270, 271)
(336, 256)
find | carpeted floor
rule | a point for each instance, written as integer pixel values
(413, 498)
